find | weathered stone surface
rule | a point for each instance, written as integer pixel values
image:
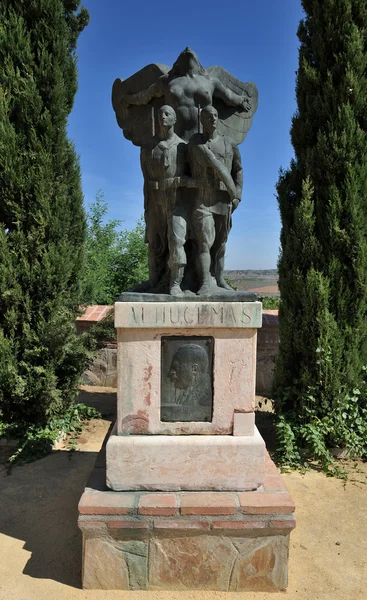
(223, 562)
(270, 467)
(243, 423)
(165, 315)
(193, 462)
(103, 370)
(271, 500)
(139, 385)
(136, 556)
(200, 563)
(104, 566)
(262, 564)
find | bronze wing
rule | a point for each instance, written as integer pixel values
(233, 121)
(138, 123)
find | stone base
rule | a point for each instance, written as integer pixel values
(195, 462)
(224, 541)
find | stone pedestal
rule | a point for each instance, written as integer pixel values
(143, 328)
(188, 497)
(149, 453)
(195, 462)
(225, 541)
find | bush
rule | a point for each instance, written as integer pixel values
(115, 260)
(35, 442)
(42, 221)
(320, 388)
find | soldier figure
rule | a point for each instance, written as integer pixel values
(164, 166)
(216, 163)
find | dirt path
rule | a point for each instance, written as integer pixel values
(40, 544)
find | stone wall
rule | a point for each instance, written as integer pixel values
(103, 370)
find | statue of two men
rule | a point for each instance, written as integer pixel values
(192, 179)
(178, 206)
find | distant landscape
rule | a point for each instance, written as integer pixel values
(263, 282)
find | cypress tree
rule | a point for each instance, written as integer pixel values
(42, 221)
(319, 384)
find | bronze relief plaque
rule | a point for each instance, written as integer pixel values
(187, 378)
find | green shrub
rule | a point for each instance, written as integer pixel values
(34, 442)
(116, 260)
(270, 303)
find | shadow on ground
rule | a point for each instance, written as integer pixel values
(40, 500)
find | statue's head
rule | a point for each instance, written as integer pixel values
(187, 61)
(166, 116)
(190, 362)
(209, 117)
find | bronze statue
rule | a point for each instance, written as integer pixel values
(192, 180)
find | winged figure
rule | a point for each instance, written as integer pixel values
(187, 87)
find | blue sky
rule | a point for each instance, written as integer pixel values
(254, 41)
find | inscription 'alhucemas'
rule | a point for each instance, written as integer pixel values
(188, 122)
(194, 315)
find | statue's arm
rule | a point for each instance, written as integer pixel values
(156, 90)
(206, 158)
(229, 97)
(237, 172)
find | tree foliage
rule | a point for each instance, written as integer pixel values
(320, 385)
(116, 260)
(42, 222)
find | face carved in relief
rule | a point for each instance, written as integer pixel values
(189, 364)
